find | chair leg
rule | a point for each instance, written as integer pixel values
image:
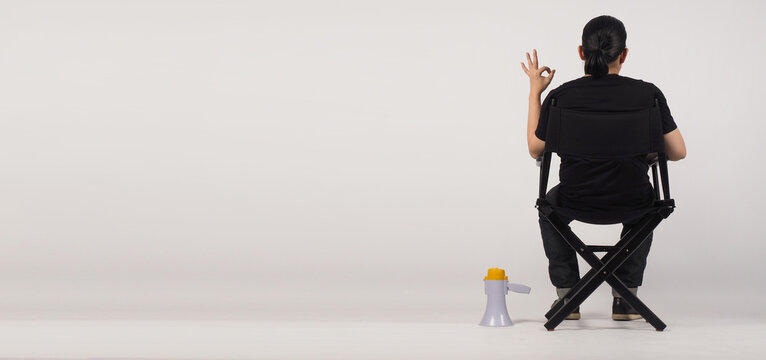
(603, 270)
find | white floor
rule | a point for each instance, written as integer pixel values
(592, 339)
(701, 331)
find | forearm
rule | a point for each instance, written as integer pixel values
(537, 84)
(536, 146)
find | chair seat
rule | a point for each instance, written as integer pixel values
(604, 218)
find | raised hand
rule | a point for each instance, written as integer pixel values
(537, 82)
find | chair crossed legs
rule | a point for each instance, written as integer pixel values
(602, 269)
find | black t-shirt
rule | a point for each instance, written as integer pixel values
(598, 185)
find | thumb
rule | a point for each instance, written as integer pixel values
(552, 73)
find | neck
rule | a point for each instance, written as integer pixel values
(611, 71)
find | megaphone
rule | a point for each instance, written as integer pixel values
(496, 286)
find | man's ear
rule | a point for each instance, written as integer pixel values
(579, 50)
(623, 55)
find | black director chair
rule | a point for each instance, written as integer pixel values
(605, 135)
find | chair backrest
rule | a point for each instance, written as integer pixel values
(604, 135)
(613, 134)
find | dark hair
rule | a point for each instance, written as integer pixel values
(603, 40)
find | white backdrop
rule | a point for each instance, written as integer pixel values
(301, 159)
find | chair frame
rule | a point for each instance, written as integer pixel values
(602, 269)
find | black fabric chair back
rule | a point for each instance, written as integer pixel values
(604, 134)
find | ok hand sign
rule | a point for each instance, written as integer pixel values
(537, 82)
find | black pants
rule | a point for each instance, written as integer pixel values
(562, 259)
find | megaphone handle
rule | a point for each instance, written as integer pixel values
(518, 288)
